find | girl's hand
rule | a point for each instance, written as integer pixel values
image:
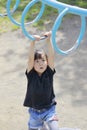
(48, 34)
(37, 37)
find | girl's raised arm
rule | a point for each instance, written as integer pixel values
(50, 51)
(31, 53)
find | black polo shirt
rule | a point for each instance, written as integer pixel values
(40, 93)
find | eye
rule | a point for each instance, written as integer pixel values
(37, 61)
(43, 60)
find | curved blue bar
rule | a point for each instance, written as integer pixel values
(54, 30)
(13, 10)
(83, 28)
(59, 5)
(16, 6)
(63, 10)
(35, 20)
(56, 27)
(9, 13)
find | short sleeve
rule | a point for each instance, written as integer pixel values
(29, 74)
(50, 71)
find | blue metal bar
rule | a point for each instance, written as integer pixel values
(63, 10)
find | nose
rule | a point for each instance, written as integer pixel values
(40, 63)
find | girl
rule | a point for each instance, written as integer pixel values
(40, 97)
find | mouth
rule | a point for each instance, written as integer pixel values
(41, 68)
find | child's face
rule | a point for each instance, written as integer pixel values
(40, 65)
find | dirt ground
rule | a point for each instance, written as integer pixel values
(70, 82)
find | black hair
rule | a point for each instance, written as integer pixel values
(39, 54)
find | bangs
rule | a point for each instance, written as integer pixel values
(39, 54)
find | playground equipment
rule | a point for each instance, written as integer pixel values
(13, 10)
(62, 8)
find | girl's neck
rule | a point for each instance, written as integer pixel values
(39, 74)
